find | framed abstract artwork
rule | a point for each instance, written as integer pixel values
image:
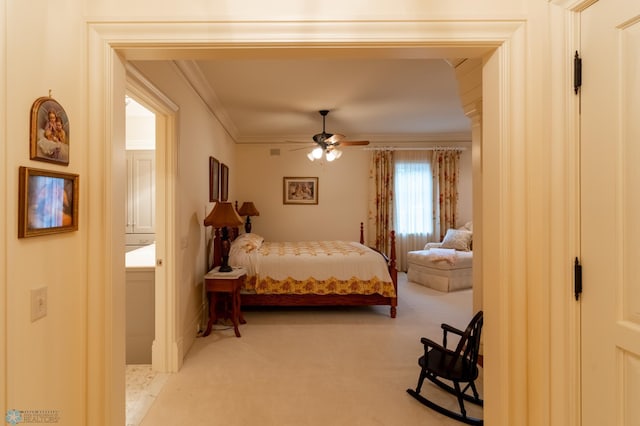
(48, 202)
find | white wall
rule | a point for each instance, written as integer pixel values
(199, 136)
(343, 187)
(46, 359)
(46, 362)
(342, 193)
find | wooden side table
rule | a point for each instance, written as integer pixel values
(228, 284)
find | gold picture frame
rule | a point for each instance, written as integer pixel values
(48, 202)
(300, 190)
(49, 132)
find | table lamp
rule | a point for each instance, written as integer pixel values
(248, 209)
(223, 215)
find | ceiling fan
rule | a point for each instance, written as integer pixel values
(328, 143)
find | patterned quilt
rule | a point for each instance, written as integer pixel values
(313, 267)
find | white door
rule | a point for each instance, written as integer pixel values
(144, 171)
(143, 191)
(610, 213)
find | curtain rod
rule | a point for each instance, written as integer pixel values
(418, 148)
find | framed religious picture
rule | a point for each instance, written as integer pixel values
(224, 182)
(300, 190)
(48, 202)
(49, 132)
(214, 179)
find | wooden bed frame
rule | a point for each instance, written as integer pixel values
(316, 299)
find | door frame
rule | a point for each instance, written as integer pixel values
(517, 327)
(165, 354)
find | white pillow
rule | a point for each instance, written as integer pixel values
(429, 246)
(247, 242)
(457, 239)
(467, 227)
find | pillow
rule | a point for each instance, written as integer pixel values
(467, 227)
(429, 246)
(247, 242)
(457, 239)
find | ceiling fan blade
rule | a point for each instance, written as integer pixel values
(336, 137)
(353, 143)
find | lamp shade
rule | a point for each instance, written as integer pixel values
(222, 215)
(248, 209)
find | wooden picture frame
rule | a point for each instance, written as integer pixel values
(214, 179)
(48, 202)
(300, 190)
(224, 182)
(49, 132)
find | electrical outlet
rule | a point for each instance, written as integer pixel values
(38, 303)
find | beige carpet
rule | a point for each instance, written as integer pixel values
(334, 366)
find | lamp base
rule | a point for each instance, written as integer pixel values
(225, 268)
(224, 265)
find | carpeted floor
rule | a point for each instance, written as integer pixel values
(297, 366)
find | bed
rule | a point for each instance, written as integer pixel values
(313, 273)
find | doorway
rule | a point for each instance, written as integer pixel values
(140, 144)
(140, 262)
(164, 356)
(500, 45)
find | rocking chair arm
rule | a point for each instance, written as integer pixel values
(428, 343)
(447, 327)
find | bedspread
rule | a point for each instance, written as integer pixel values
(316, 267)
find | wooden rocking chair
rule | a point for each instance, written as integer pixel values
(457, 366)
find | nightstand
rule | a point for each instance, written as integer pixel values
(226, 284)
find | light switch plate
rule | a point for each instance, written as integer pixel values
(38, 303)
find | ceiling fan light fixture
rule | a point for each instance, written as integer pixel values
(327, 143)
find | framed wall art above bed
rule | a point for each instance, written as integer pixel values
(300, 190)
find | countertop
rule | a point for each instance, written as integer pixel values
(142, 258)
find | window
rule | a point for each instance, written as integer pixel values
(413, 193)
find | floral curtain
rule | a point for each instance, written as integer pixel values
(446, 170)
(380, 215)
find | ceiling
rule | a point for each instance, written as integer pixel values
(386, 100)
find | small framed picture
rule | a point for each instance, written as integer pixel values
(48, 202)
(49, 132)
(224, 182)
(214, 179)
(300, 190)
